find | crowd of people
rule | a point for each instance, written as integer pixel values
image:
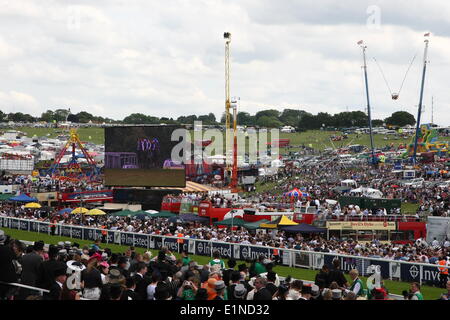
(104, 275)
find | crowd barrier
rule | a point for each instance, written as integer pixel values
(390, 269)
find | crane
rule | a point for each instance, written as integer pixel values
(229, 105)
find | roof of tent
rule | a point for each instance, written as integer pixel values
(254, 225)
(304, 228)
(23, 198)
(230, 222)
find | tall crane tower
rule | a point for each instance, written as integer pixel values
(229, 105)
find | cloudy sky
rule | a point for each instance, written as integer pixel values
(166, 58)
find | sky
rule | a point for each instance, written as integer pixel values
(166, 58)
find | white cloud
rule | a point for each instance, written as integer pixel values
(166, 58)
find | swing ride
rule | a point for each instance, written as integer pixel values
(424, 139)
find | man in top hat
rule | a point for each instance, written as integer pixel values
(47, 269)
(31, 263)
(56, 288)
(306, 292)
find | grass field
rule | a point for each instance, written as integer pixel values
(395, 287)
(317, 138)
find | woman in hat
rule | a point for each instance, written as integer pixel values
(92, 279)
(104, 271)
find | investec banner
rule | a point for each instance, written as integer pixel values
(413, 273)
(361, 225)
(360, 264)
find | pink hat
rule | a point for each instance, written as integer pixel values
(104, 264)
(96, 256)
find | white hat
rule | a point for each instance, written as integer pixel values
(75, 265)
(336, 293)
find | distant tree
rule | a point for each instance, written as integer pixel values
(291, 117)
(377, 123)
(268, 122)
(48, 116)
(271, 113)
(20, 117)
(139, 118)
(84, 117)
(73, 118)
(308, 122)
(245, 119)
(400, 118)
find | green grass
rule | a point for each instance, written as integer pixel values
(94, 135)
(317, 138)
(394, 287)
(410, 208)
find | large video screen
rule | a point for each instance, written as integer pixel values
(140, 156)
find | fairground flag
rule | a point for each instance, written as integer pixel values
(426, 34)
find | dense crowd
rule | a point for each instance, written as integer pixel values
(104, 275)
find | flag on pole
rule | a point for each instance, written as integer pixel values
(360, 42)
(426, 34)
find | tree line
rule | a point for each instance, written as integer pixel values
(270, 118)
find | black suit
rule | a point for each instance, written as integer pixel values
(31, 263)
(55, 291)
(130, 294)
(46, 276)
(262, 294)
(7, 270)
(142, 283)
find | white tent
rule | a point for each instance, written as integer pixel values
(368, 192)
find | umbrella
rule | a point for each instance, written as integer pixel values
(95, 212)
(123, 213)
(296, 193)
(79, 210)
(254, 225)
(230, 222)
(65, 210)
(140, 214)
(23, 198)
(33, 205)
(162, 214)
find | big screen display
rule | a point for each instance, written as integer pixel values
(140, 156)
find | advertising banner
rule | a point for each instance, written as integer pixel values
(34, 226)
(430, 275)
(43, 227)
(126, 239)
(77, 233)
(14, 224)
(225, 249)
(24, 225)
(410, 272)
(65, 231)
(141, 240)
(203, 248)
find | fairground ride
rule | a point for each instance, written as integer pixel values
(73, 170)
